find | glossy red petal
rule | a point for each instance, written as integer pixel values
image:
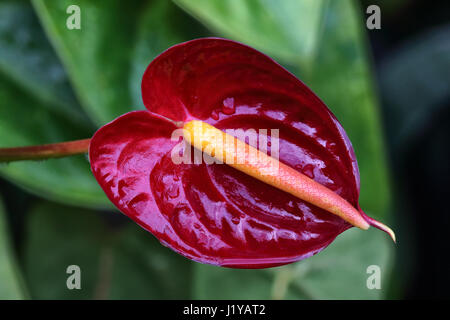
(214, 213)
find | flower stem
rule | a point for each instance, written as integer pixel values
(46, 151)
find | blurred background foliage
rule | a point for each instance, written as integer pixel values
(58, 84)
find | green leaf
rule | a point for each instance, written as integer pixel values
(145, 269)
(37, 107)
(340, 272)
(58, 237)
(107, 57)
(25, 121)
(286, 29)
(128, 263)
(10, 283)
(27, 58)
(219, 283)
(97, 55)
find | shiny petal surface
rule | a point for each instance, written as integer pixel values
(213, 213)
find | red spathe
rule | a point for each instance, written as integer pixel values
(214, 213)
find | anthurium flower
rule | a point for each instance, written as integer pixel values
(213, 212)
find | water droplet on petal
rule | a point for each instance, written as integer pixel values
(235, 220)
(173, 192)
(228, 106)
(308, 170)
(215, 115)
(331, 146)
